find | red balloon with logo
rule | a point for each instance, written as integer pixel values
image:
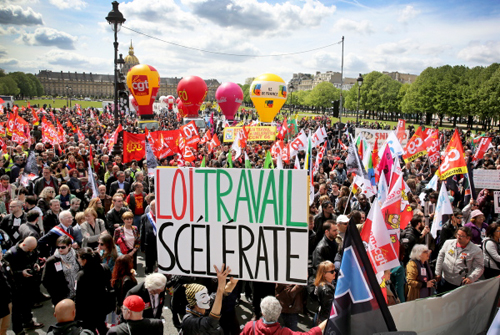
(192, 91)
(181, 108)
(229, 97)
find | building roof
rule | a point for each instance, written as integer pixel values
(131, 58)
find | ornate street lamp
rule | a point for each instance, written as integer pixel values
(115, 19)
(291, 88)
(360, 82)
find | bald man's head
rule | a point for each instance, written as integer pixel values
(65, 311)
(29, 244)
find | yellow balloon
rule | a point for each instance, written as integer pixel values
(268, 93)
(143, 82)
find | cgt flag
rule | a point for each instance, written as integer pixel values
(358, 306)
(415, 147)
(453, 162)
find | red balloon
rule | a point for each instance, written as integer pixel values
(181, 108)
(134, 103)
(192, 90)
(178, 100)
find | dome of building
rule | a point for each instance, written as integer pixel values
(131, 59)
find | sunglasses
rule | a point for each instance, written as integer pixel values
(62, 247)
(331, 271)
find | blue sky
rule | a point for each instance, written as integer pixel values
(404, 36)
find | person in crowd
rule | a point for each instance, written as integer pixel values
(47, 242)
(65, 313)
(7, 289)
(96, 204)
(23, 260)
(127, 237)
(148, 237)
(30, 228)
(152, 291)
(92, 228)
(467, 210)
(413, 234)
(11, 222)
(120, 183)
(91, 285)
(195, 321)
(477, 226)
(459, 262)
(65, 197)
(291, 300)
(45, 196)
(47, 180)
(75, 207)
(114, 215)
(105, 199)
(75, 184)
(123, 279)
(450, 228)
(51, 217)
(268, 323)
(137, 202)
(491, 251)
(419, 275)
(108, 250)
(327, 248)
(132, 312)
(324, 289)
(326, 214)
(60, 271)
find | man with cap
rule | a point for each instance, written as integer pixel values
(342, 223)
(132, 309)
(478, 226)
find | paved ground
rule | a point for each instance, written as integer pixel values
(244, 311)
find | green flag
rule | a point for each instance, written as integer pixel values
(294, 128)
(229, 160)
(202, 162)
(268, 163)
(248, 165)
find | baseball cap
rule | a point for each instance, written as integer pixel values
(343, 218)
(134, 303)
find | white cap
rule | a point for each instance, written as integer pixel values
(342, 218)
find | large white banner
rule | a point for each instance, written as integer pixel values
(464, 311)
(254, 221)
(379, 135)
(486, 179)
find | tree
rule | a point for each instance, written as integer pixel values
(8, 86)
(489, 94)
(24, 84)
(368, 100)
(36, 84)
(322, 95)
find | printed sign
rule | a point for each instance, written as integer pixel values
(254, 221)
(496, 195)
(256, 133)
(380, 135)
(489, 179)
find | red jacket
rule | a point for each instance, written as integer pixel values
(263, 329)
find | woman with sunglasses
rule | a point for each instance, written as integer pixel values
(61, 269)
(324, 290)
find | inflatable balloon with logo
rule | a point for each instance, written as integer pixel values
(132, 102)
(192, 91)
(268, 93)
(170, 100)
(143, 82)
(229, 96)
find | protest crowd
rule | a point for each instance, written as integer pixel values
(77, 210)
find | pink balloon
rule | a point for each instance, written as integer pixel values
(229, 96)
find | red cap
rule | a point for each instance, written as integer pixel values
(134, 303)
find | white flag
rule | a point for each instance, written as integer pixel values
(443, 207)
(297, 163)
(279, 162)
(298, 144)
(92, 182)
(394, 145)
(382, 189)
(236, 146)
(433, 183)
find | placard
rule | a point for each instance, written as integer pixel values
(380, 135)
(253, 220)
(496, 195)
(489, 179)
(256, 133)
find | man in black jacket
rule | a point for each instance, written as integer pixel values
(413, 234)
(327, 248)
(65, 312)
(11, 222)
(30, 228)
(114, 215)
(120, 183)
(326, 214)
(449, 229)
(152, 292)
(51, 218)
(133, 307)
(148, 237)
(47, 180)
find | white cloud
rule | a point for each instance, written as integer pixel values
(482, 53)
(346, 25)
(13, 14)
(393, 48)
(8, 61)
(9, 31)
(45, 36)
(69, 4)
(407, 14)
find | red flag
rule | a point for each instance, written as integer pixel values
(15, 109)
(375, 159)
(114, 138)
(342, 145)
(18, 132)
(49, 133)
(482, 147)
(214, 142)
(277, 148)
(3, 144)
(453, 161)
(284, 129)
(29, 105)
(70, 125)
(285, 153)
(190, 134)
(400, 130)
(134, 146)
(52, 115)
(36, 119)
(432, 146)
(2, 128)
(415, 147)
(206, 138)
(244, 137)
(81, 137)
